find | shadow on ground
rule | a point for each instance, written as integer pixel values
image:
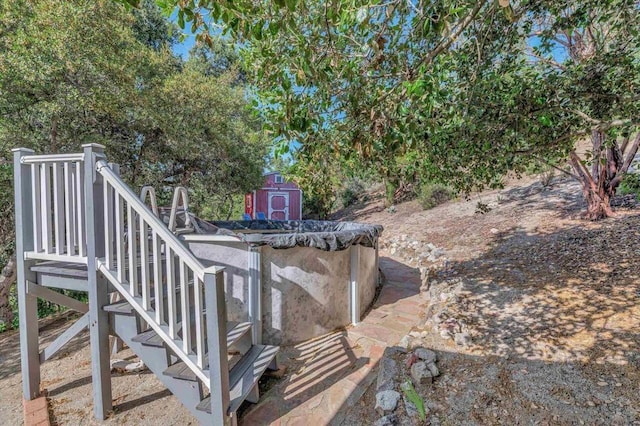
(555, 319)
(567, 295)
(50, 329)
(325, 372)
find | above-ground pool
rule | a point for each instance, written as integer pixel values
(294, 280)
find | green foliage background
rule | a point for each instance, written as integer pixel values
(85, 71)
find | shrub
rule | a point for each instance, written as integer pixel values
(547, 177)
(389, 193)
(351, 192)
(433, 194)
(630, 184)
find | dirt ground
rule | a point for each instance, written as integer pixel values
(139, 399)
(551, 302)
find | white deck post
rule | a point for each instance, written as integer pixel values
(27, 303)
(98, 289)
(217, 344)
(354, 291)
(376, 241)
(255, 293)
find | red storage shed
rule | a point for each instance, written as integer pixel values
(276, 200)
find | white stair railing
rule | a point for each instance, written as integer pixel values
(76, 208)
(57, 203)
(157, 263)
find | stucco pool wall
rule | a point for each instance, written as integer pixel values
(233, 257)
(306, 292)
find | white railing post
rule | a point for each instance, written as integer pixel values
(255, 293)
(97, 285)
(354, 290)
(27, 303)
(217, 343)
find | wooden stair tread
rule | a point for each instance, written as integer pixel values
(121, 308)
(117, 307)
(149, 338)
(244, 376)
(235, 331)
(71, 269)
(76, 270)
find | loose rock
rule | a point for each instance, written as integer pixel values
(425, 355)
(420, 373)
(462, 339)
(388, 420)
(433, 369)
(410, 408)
(410, 360)
(122, 366)
(386, 401)
(387, 372)
(405, 342)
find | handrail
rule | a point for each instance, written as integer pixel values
(51, 158)
(151, 192)
(157, 225)
(179, 193)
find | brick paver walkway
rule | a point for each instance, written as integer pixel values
(331, 373)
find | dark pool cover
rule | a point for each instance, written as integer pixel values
(323, 235)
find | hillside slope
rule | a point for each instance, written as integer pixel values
(548, 305)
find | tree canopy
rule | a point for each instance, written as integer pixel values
(468, 90)
(115, 81)
(165, 120)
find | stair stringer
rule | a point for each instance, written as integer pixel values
(189, 393)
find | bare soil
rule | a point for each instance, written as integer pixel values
(139, 399)
(551, 302)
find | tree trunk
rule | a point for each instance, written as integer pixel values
(598, 204)
(7, 280)
(231, 205)
(599, 185)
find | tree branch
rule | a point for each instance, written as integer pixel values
(627, 162)
(582, 171)
(560, 169)
(444, 44)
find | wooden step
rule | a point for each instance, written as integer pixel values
(120, 308)
(235, 332)
(149, 338)
(74, 270)
(244, 376)
(181, 371)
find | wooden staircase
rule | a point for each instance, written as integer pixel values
(96, 235)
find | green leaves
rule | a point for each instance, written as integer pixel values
(462, 91)
(545, 121)
(129, 3)
(412, 395)
(291, 4)
(115, 82)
